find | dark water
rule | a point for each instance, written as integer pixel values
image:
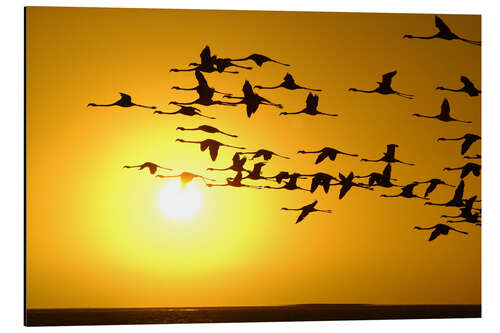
(305, 312)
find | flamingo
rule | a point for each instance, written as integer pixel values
(125, 102)
(456, 201)
(256, 172)
(186, 178)
(266, 154)
(259, 59)
(291, 184)
(280, 176)
(433, 183)
(384, 87)
(320, 179)
(440, 229)
(153, 167)
(406, 192)
(444, 33)
(222, 63)
(288, 83)
(468, 138)
(444, 115)
(186, 111)
(212, 145)
(347, 183)
(380, 179)
(466, 169)
(389, 156)
(251, 99)
(331, 153)
(207, 64)
(207, 129)
(466, 211)
(468, 87)
(238, 164)
(311, 107)
(306, 210)
(235, 182)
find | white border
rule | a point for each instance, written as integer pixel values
(11, 131)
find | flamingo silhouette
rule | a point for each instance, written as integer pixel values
(235, 182)
(207, 65)
(433, 183)
(466, 169)
(266, 154)
(186, 178)
(125, 102)
(280, 176)
(207, 129)
(444, 33)
(306, 210)
(288, 83)
(347, 183)
(331, 153)
(389, 156)
(212, 145)
(259, 59)
(321, 179)
(440, 229)
(251, 99)
(384, 87)
(311, 107)
(186, 111)
(468, 138)
(153, 167)
(256, 172)
(468, 87)
(291, 184)
(222, 63)
(238, 164)
(380, 179)
(475, 157)
(466, 213)
(406, 192)
(456, 201)
(444, 115)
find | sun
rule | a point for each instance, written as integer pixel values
(180, 204)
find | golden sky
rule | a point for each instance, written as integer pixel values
(96, 236)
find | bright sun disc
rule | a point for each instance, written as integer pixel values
(180, 204)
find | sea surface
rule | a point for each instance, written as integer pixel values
(300, 312)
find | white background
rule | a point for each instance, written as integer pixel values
(11, 164)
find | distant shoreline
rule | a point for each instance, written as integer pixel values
(224, 314)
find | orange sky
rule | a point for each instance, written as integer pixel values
(95, 234)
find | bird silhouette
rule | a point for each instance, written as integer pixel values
(331, 153)
(212, 145)
(259, 59)
(222, 63)
(468, 87)
(444, 33)
(291, 184)
(306, 210)
(288, 83)
(207, 65)
(256, 172)
(406, 192)
(280, 176)
(384, 87)
(466, 169)
(125, 102)
(347, 183)
(466, 213)
(311, 107)
(186, 111)
(389, 156)
(468, 138)
(433, 183)
(380, 179)
(440, 229)
(444, 115)
(235, 182)
(153, 167)
(186, 178)
(251, 100)
(321, 179)
(456, 201)
(266, 154)
(238, 164)
(207, 129)
(475, 157)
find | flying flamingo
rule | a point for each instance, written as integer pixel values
(212, 145)
(384, 87)
(467, 168)
(207, 64)
(466, 213)
(238, 164)
(306, 210)
(331, 153)
(440, 229)
(406, 192)
(347, 183)
(259, 59)
(207, 129)
(433, 183)
(456, 201)
(185, 110)
(444, 33)
(251, 100)
(153, 167)
(444, 115)
(280, 176)
(235, 182)
(311, 107)
(291, 184)
(256, 172)
(288, 83)
(266, 154)
(321, 179)
(186, 178)
(468, 87)
(389, 156)
(222, 63)
(125, 102)
(380, 179)
(468, 138)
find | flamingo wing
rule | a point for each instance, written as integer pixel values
(387, 172)
(311, 102)
(214, 151)
(387, 78)
(321, 157)
(205, 55)
(445, 108)
(459, 192)
(202, 82)
(247, 89)
(126, 98)
(441, 25)
(289, 79)
(466, 145)
(436, 232)
(302, 215)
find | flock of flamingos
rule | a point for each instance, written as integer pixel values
(288, 180)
